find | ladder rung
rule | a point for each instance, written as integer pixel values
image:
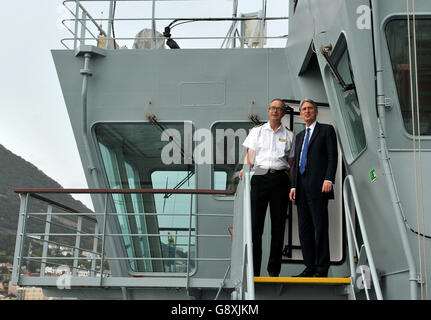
(302, 280)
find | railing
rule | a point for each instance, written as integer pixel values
(364, 270)
(86, 30)
(242, 248)
(70, 236)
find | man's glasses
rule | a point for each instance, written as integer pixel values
(279, 109)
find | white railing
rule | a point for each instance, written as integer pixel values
(40, 235)
(242, 247)
(86, 28)
(354, 250)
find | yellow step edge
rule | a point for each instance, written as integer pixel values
(302, 280)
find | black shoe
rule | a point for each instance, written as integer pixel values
(320, 274)
(306, 273)
(272, 274)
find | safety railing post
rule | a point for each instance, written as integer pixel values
(110, 21)
(247, 235)
(75, 36)
(20, 238)
(83, 27)
(262, 25)
(77, 246)
(102, 251)
(46, 240)
(94, 256)
(189, 244)
(153, 26)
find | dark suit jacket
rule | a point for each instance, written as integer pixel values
(322, 159)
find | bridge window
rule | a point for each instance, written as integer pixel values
(139, 156)
(228, 153)
(405, 77)
(348, 102)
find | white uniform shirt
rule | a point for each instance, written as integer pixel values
(272, 148)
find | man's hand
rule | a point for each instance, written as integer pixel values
(292, 195)
(327, 186)
(240, 174)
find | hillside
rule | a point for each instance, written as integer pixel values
(15, 172)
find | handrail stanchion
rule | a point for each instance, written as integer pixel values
(110, 21)
(189, 244)
(75, 40)
(350, 242)
(20, 236)
(247, 237)
(153, 26)
(102, 251)
(46, 240)
(95, 243)
(83, 27)
(77, 246)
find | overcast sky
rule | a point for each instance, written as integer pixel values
(33, 119)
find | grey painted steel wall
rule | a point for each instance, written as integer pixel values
(244, 80)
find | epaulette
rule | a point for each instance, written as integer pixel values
(288, 129)
(259, 125)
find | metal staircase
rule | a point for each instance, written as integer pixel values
(298, 288)
(363, 274)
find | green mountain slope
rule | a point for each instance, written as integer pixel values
(15, 172)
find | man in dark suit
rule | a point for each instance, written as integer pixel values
(314, 170)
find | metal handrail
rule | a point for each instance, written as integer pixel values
(99, 233)
(109, 36)
(248, 244)
(32, 191)
(242, 272)
(351, 237)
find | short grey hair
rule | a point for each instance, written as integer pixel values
(309, 101)
(278, 99)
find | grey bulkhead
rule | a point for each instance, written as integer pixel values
(127, 84)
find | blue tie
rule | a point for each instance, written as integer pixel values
(304, 153)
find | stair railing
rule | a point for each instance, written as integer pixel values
(349, 185)
(242, 248)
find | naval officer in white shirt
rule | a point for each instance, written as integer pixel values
(270, 152)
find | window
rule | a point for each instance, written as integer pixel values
(228, 153)
(132, 155)
(398, 45)
(349, 107)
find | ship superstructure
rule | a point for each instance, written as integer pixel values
(159, 128)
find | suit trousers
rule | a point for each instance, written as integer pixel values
(313, 225)
(272, 188)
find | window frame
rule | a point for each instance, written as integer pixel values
(212, 182)
(104, 173)
(392, 74)
(341, 47)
